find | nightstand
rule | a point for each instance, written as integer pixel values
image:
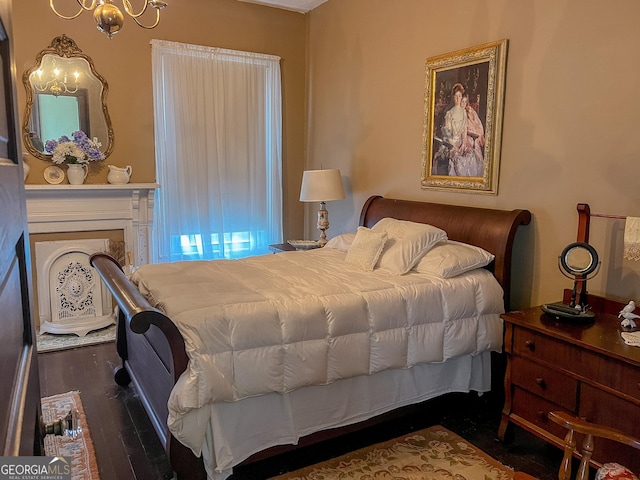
(584, 369)
(281, 247)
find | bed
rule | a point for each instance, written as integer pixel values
(215, 410)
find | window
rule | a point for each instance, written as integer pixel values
(218, 132)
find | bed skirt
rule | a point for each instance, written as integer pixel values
(277, 419)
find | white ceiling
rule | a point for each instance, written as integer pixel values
(302, 6)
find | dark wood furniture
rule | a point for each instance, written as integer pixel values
(585, 370)
(591, 431)
(153, 351)
(20, 429)
(281, 247)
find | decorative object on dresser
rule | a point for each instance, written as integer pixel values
(322, 186)
(585, 370)
(628, 315)
(285, 413)
(577, 261)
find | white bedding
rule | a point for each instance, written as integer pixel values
(277, 323)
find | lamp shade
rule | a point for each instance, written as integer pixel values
(321, 186)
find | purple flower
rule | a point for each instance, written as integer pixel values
(81, 149)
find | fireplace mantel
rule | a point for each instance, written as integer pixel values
(91, 207)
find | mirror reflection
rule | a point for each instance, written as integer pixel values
(64, 94)
(578, 259)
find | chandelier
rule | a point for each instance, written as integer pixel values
(108, 17)
(55, 81)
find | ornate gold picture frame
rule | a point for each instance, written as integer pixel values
(464, 95)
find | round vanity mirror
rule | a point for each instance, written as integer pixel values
(579, 259)
(65, 93)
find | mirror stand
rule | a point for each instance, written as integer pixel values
(577, 261)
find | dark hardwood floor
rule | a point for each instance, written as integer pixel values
(126, 446)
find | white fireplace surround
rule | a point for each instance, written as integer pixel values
(93, 207)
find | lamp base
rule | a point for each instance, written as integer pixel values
(323, 238)
(323, 223)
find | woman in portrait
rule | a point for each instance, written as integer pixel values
(474, 140)
(455, 120)
(452, 132)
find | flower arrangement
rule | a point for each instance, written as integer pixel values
(79, 149)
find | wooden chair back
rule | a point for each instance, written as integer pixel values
(589, 430)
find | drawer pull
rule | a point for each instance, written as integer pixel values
(541, 383)
(542, 415)
(530, 344)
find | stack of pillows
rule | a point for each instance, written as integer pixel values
(399, 246)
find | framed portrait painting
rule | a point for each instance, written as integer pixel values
(464, 95)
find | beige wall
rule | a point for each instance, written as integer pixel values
(569, 132)
(570, 107)
(125, 62)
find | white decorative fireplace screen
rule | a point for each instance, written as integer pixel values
(71, 297)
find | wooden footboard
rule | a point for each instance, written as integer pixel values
(153, 358)
(153, 351)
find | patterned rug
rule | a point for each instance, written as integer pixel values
(83, 457)
(48, 342)
(431, 454)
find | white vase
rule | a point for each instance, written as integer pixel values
(76, 173)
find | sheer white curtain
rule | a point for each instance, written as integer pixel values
(218, 131)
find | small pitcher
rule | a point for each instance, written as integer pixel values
(119, 175)
(76, 173)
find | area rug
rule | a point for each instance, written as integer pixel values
(431, 454)
(48, 342)
(83, 457)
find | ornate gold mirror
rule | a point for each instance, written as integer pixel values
(64, 94)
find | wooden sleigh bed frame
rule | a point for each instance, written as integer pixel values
(153, 351)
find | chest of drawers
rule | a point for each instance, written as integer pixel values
(584, 369)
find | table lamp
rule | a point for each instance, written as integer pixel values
(322, 186)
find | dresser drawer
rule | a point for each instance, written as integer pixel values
(619, 376)
(536, 409)
(555, 386)
(586, 364)
(529, 343)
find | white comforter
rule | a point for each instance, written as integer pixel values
(276, 323)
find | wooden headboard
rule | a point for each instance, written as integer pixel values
(490, 229)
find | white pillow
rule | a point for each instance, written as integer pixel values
(448, 259)
(341, 242)
(407, 243)
(366, 248)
